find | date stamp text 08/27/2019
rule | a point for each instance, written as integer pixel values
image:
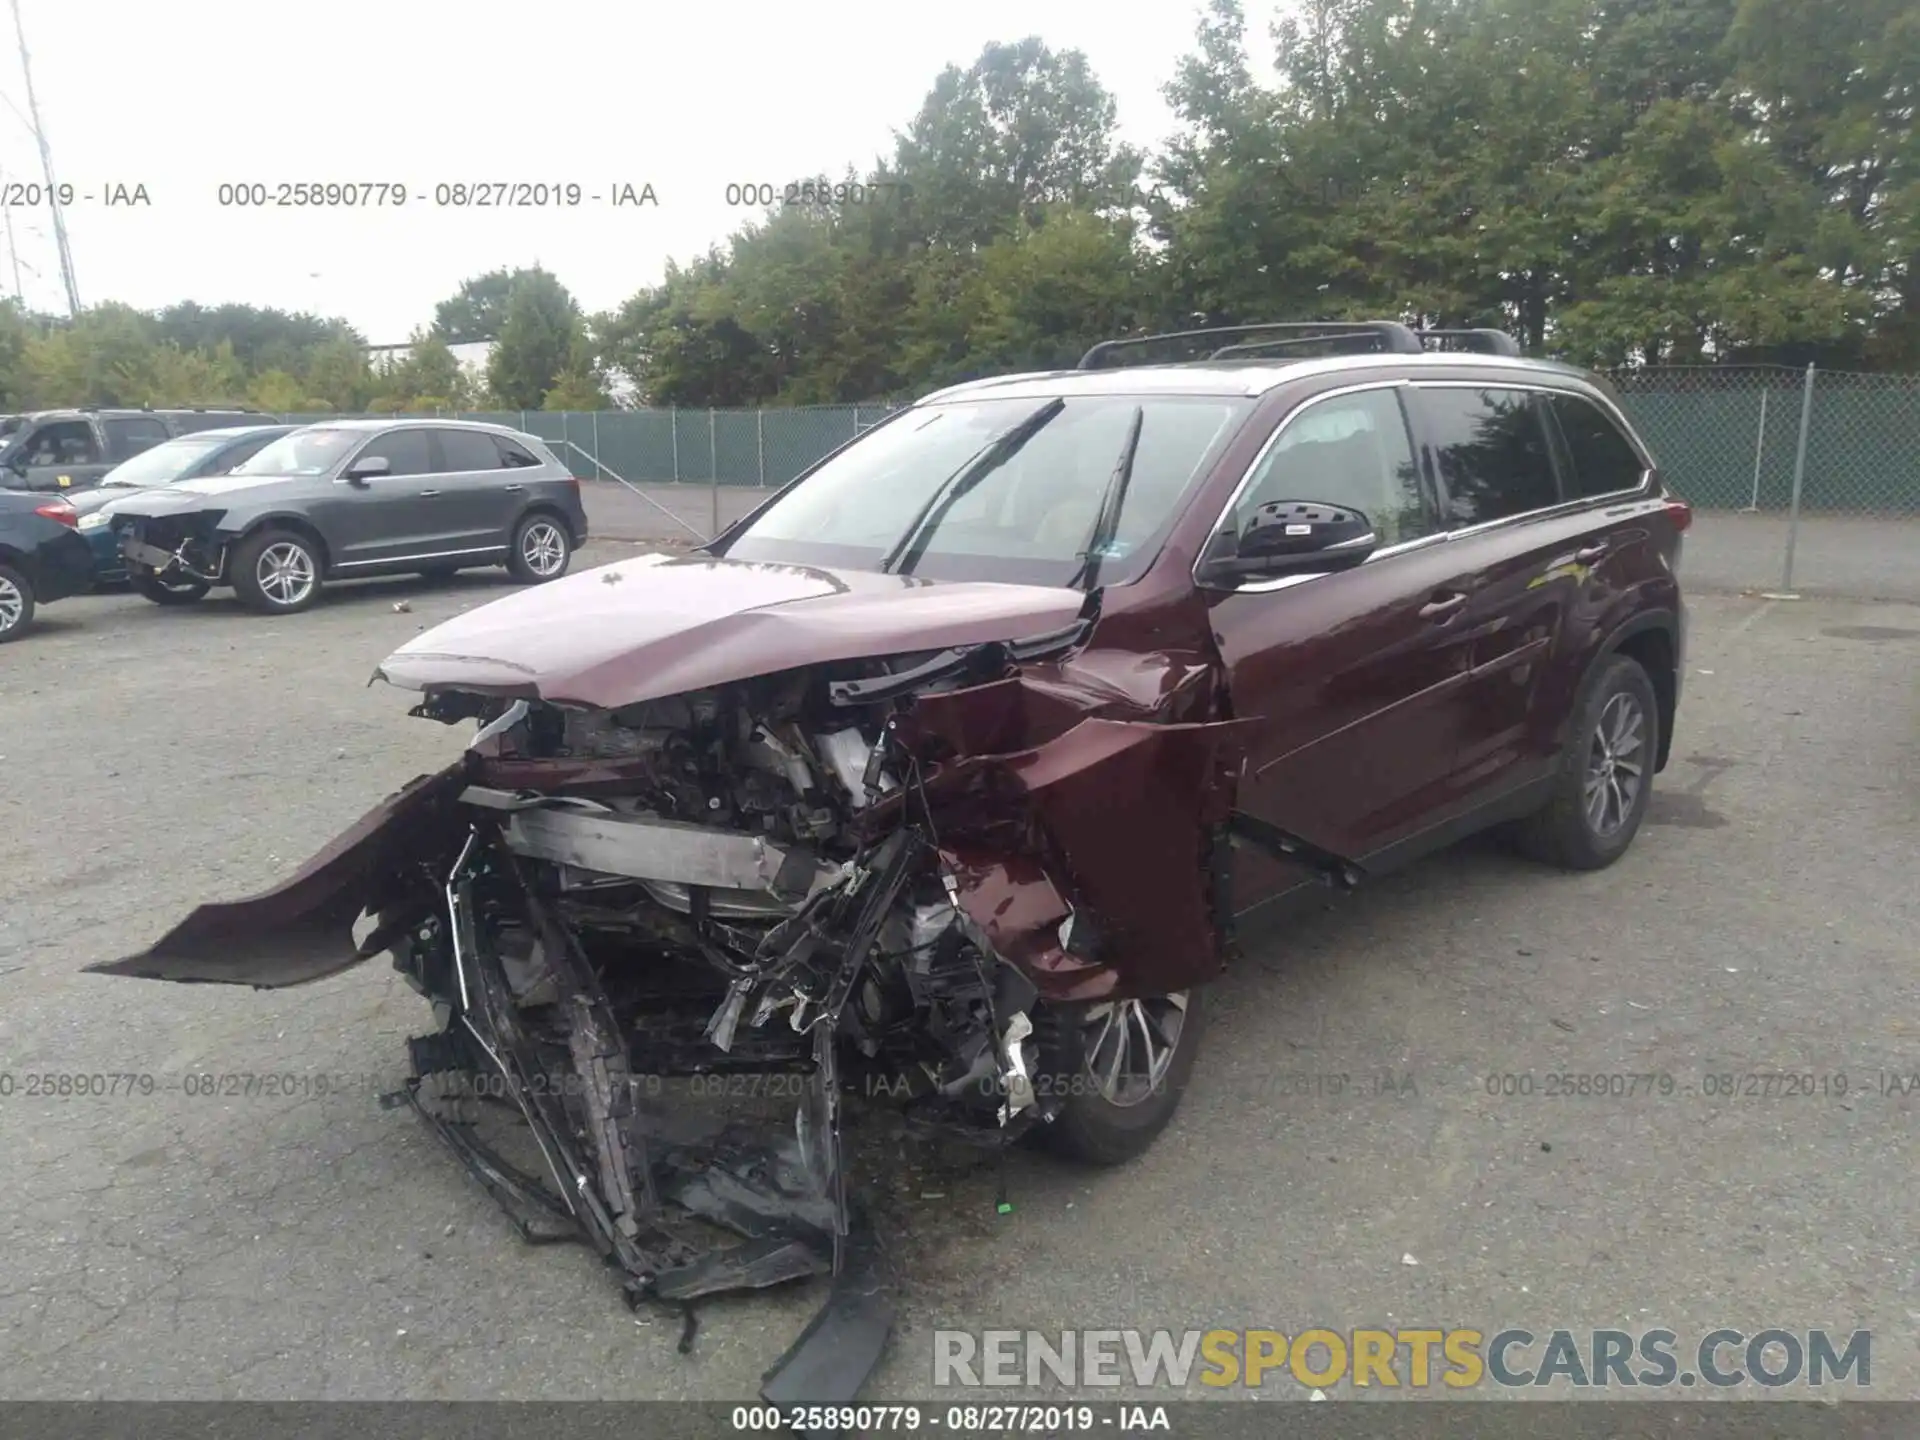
(441, 195)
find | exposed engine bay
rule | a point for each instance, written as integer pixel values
(901, 878)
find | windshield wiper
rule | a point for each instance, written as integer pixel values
(912, 545)
(1106, 524)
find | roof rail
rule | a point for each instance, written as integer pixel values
(1387, 335)
(1493, 342)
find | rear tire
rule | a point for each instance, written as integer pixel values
(276, 572)
(1605, 780)
(167, 592)
(16, 604)
(1093, 1126)
(542, 549)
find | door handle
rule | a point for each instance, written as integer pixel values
(513, 489)
(1591, 553)
(1444, 604)
(429, 492)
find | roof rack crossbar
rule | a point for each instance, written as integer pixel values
(1392, 335)
(1494, 342)
(1261, 347)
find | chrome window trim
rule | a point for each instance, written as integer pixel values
(1607, 408)
(1643, 490)
(424, 555)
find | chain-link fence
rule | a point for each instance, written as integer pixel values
(1730, 437)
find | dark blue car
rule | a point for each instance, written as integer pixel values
(187, 457)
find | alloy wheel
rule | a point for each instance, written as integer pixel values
(1129, 1045)
(1616, 765)
(543, 548)
(13, 604)
(285, 573)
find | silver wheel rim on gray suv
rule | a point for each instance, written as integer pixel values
(543, 548)
(12, 604)
(284, 573)
(1129, 1046)
(1616, 765)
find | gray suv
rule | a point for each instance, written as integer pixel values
(353, 498)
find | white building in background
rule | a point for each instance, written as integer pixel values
(473, 359)
(472, 356)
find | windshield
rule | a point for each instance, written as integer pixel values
(313, 451)
(1028, 518)
(162, 465)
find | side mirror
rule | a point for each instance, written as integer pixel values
(365, 468)
(1285, 537)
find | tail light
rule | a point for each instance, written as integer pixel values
(60, 512)
(1680, 513)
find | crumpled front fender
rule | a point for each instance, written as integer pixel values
(1114, 822)
(302, 929)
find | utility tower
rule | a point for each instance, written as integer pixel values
(46, 169)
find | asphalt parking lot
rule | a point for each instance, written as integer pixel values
(205, 1246)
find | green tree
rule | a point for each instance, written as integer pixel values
(478, 309)
(429, 377)
(536, 341)
(1022, 129)
(581, 384)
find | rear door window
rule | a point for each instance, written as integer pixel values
(1490, 452)
(1604, 460)
(127, 438)
(462, 450)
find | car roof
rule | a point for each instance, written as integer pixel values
(1240, 378)
(410, 422)
(236, 432)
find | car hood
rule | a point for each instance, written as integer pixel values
(211, 493)
(659, 625)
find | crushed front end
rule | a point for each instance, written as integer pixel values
(175, 547)
(887, 878)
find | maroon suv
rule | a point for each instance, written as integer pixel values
(944, 776)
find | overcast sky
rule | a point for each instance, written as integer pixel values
(184, 96)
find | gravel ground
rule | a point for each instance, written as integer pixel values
(188, 1246)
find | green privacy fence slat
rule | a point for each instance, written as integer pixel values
(728, 447)
(1704, 425)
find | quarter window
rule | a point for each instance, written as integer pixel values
(1348, 450)
(513, 454)
(1603, 459)
(1490, 448)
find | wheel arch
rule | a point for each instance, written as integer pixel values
(1651, 639)
(551, 509)
(284, 520)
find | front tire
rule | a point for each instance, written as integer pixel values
(276, 572)
(542, 549)
(16, 604)
(167, 592)
(1605, 779)
(1122, 1068)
